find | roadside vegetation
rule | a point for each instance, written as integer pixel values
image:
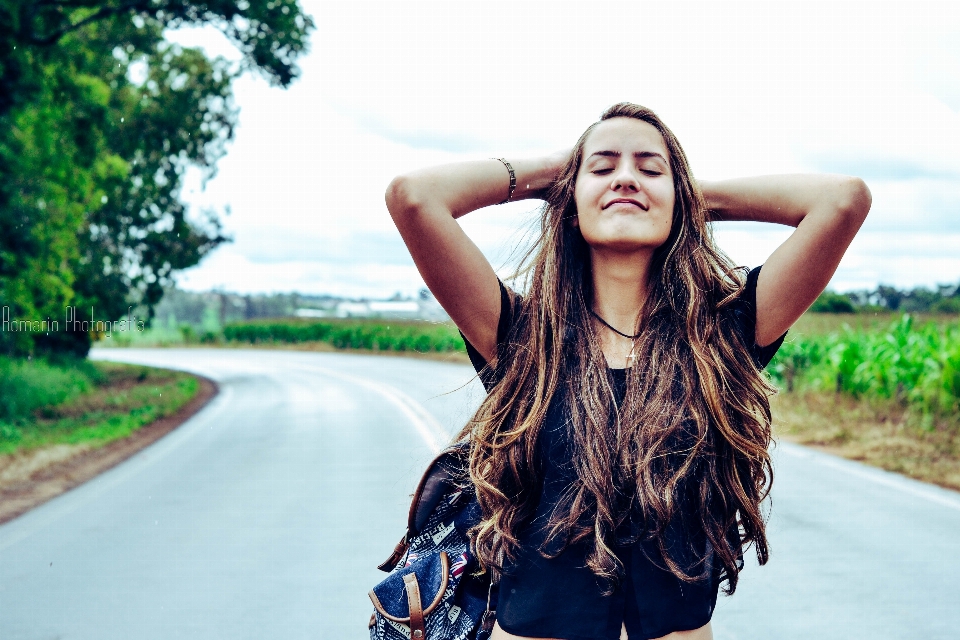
(880, 388)
(78, 402)
(916, 364)
(375, 335)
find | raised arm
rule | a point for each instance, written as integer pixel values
(425, 205)
(827, 211)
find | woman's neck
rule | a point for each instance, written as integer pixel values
(619, 291)
(620, 284)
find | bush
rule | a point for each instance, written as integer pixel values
(830, 302)
(30, 384)
(946, 305)
(189, 335)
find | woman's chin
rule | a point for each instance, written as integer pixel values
(638, 245)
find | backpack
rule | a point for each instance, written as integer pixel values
(433, 591)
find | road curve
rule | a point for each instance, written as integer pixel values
(265, 515)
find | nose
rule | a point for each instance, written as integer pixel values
(625, 180)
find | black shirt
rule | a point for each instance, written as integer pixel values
(560, 597)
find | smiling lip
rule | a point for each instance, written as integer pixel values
(624, 201)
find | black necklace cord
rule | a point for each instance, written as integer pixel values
(607, 325)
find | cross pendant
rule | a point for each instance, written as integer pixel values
(631, 357)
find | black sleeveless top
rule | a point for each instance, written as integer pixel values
(560, 597)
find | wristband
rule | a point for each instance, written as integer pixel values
(513, 180)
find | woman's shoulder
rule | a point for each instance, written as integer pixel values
(510, 305)
(743, 315)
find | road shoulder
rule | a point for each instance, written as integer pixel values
(40, 476)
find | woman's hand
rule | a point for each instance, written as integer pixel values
(425, 205)
(827, 211)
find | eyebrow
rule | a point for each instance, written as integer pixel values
(640, 155)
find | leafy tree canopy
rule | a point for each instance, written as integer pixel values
(945, 299)
(92, 154)
(830, 302)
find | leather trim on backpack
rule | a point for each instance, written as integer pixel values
(412, 588)
(444, 567)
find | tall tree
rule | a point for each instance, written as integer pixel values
(92, 159)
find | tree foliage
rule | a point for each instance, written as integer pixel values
(944, 299)
(92, 157)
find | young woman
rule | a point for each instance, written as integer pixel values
(620, 456)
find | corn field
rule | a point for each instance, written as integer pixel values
(917, 366)
(375, 335)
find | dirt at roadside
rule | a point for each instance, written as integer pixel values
(878, 434)
(31, 478)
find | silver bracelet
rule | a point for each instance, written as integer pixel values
(513, 180)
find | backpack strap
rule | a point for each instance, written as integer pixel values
(416, 608)
(434, 485)
(391, 563)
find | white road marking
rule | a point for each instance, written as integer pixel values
(916, 488)
(430, 431)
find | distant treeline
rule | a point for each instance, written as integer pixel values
(943, 299)
(212, 310)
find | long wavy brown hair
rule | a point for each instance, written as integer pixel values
(684, 455)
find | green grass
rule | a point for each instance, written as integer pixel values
(30, 384)
(153, 337)
(86, 402)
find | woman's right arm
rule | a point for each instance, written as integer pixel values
(425, 205)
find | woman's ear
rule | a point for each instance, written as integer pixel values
(575, 221)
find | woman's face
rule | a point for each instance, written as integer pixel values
(624, 191)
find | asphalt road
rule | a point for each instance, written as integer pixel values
(266, 514)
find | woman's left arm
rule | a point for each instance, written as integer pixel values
(827, 211)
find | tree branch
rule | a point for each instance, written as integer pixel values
(105, 12)
(65, 3)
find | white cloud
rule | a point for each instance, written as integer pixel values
(905, 260)
(749, 88)
(921, 204)
(231, 271)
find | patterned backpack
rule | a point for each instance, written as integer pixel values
(432, 592)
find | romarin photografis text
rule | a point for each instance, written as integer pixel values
(72, 322)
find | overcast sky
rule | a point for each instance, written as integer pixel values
(870, 89)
